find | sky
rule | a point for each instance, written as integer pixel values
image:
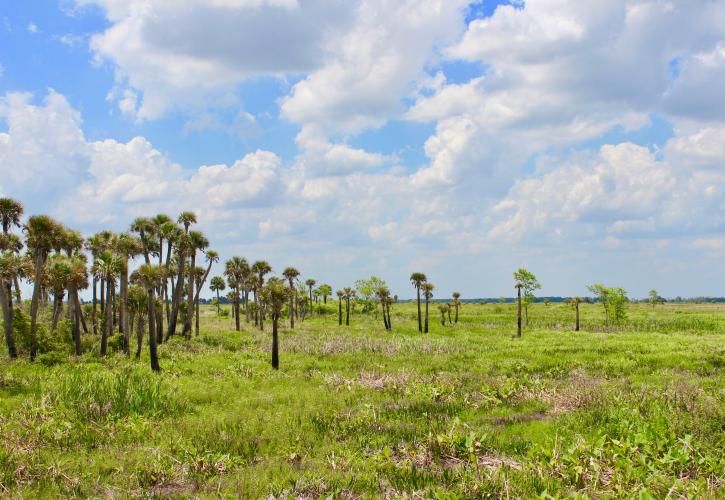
(584, 141)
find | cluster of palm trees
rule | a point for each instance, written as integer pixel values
(421, 284)
(165, 288)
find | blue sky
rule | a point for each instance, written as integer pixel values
(368, 137)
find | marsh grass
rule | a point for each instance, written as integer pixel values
(464, 412)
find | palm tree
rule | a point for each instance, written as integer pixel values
(444, 309)
(236, 270)
(518, 302)
(428, 294)
(110, 267)
(217, 285)
(10, 213)
(456, 304)
(127, 247)
(11, 266)
(198, 242)
(150, 277)
(349, 294)
(260, 268)
(291, 274)
(183, 243)
(78, 281)
(145, 229)
(186, 219)
(57, 278)
(42, 235)
(418, 279)
(310, 283)
(169, 232)
(340, 296)
(137, 307)
(384, 296)
(211, 258)
(275, 294)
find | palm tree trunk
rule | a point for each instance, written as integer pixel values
(95, 314)
(426, 315)
(103, 300)
(124, 308)
(275, 342)
(576, 327)
(76, 306)
(218, 305)
(449, 316)
(385, 317)
(518, 300)
(169, 246)
(190, 298)
(57, 309)
(35, 303)
(456, 314)
(107, 320)
(8, 323)
(347, 312)
(177, 297)
(291, 306)
(18, 293)
(390, 321)
(236, 309)
(196, 325)
(139, 335)
(152, 331)
(339, 312)
(420, 326)
(81, 318)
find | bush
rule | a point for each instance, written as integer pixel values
(60, 340)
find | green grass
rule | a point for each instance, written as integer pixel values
(466, 411)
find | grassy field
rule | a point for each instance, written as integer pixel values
(466, 411)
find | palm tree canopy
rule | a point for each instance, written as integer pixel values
(149, 275)
(128, 246)
(417, 279)
(217, 284)
(275, 293)
(42, 232)
(428, 290)
(310, 282)
(290, 273)
(212, 256)
(197, 240)
(187, 219)
(10, 212)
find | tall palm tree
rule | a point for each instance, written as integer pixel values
(183, 243)
(291, 274)
(310, 283)
(10, 213)
(42, 235)
(427, 294)
(56, 279)
(418, 279)
(169, 232)
(456, 304)
(384, 296)
(217, 285)
(150, 276)
(260, 268)
(186, 219)
(11, 266)
(275, 294)
(78, 281)
(127, 247)
(198, 242)
(145, 228)
(110, 267)
(349, 295)
(137, 307)
(211, 258)
(236, 270)
(340, 295)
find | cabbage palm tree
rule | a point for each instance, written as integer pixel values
(291, 274)
(137, 308)
(110, 267)
(349, 295)
(456, 304)
(11, 266)
(443, 309)
(198, 242)
(150, 277)
(310, 283)
(145, 228)
(340, 295)
(42, 235)
(169, 232)
(186, 219)
(211, 258)
(183, 243)
(78, 281)
(127, 247)
(260, 268)
(325, 291)
(384, 296)
(418, 279)
(236, 270)
(519, 286)
(427, 294)
(10, 213)
(274, 294)
(217, 285)
(56, 279)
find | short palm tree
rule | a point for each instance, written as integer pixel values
(291, 274)
(138, 308)
(217, 285)
(275, 295)
(150, 276)
(456, 304)
(42, 234)
(310, 283)
(427, 294)
(260, 268)
(444, 309)
(197, 242)
(11, 266)
(349, 295)
(418, 279)
(383, 295)
(236, 271)
(212, 258)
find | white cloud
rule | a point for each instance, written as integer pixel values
(32, 28)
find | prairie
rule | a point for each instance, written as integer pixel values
(466, 411)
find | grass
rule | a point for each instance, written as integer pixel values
(466, 411)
